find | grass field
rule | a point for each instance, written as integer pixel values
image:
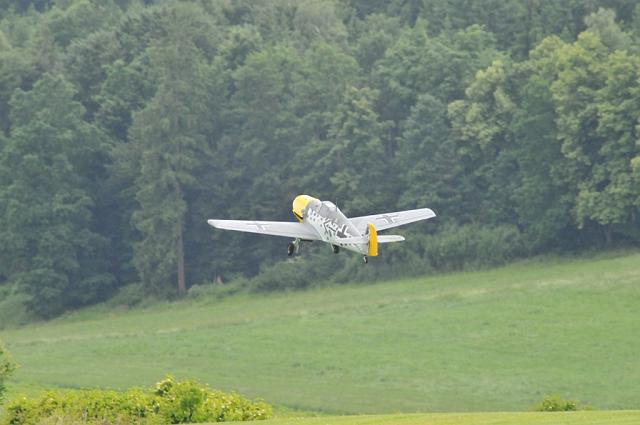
(496, 340)
(504, 418)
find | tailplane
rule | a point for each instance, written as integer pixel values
(390, 238)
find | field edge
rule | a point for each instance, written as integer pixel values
(592, 417)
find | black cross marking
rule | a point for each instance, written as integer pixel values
(259, 226)
(389, 218)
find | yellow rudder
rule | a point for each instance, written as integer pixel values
(373, 241)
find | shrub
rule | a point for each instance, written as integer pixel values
(170, 402)
(189, 402)
(215, 290)
(456, 247)
(315, 265)
(554, 403)
(131, 295)
(6, 368)
(133, 406)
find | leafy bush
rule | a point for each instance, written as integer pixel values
(13, 311)
(315, 265)
(190, 402)
(456, 247)
(131, 295)
(6, 368)
(556, 404)
(170, 402)
(215, 290)
(133, 406)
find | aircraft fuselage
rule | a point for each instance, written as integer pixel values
(330, 223)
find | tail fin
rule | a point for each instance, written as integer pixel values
(373, 241)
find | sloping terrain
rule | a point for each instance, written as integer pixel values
(484, 341)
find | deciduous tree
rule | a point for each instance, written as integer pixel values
(50, 170)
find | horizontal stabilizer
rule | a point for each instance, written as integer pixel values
(390, 238)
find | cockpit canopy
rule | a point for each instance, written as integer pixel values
(330, 205)
(330, 210)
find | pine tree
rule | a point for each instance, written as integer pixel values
(171, 133)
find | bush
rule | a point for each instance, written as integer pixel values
(131, 295)
(456, 247)
(215, 290)
(556, 404)
(170, 402)
(315, 265)
(189, 402)
(13, 310)
(6, 369)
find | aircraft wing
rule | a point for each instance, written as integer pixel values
(275, 228)
(389, 220)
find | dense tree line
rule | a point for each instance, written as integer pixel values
(126, 124)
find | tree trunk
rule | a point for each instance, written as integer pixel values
(182, 288)
(608, 234)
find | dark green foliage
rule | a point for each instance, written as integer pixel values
(316, 266)
(171, 402)
(457, 247)
(355, 158)
(555, 403)
(24, 5)
(131, 295)
(125, 125)
(50, 171)
(6, 369)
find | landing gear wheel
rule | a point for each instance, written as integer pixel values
(365, 259)
(291, 249)
(336, 249)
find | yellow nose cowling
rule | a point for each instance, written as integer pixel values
(299, 205)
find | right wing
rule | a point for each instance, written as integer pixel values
(389, 220)
(275, 228)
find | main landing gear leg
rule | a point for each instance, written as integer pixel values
(293, 248)
(365, 259)
(336, 249)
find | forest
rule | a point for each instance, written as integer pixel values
(126, 124)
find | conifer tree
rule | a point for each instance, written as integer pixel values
(171, 133)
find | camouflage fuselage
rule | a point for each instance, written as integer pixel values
(332, 225)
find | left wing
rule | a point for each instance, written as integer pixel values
(394, 219)
(275, 228)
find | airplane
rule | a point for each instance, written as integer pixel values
(323, 221)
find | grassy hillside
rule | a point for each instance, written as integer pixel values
(484, 341)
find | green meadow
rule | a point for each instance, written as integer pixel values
(500, 418)
(495, 340)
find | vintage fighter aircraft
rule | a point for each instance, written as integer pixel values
(323, 221)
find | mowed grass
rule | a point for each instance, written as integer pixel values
(501, 418)
(496, 340)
